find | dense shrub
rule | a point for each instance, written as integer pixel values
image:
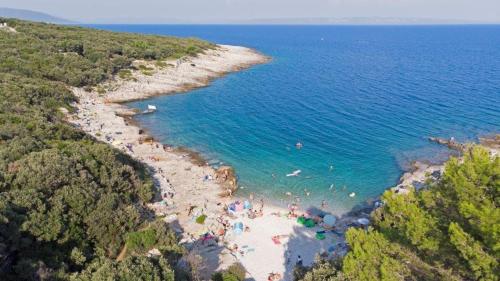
(67, 201)
(235, 272)
(449, 231)
(135, 268)
(82, 56)
(322, 269)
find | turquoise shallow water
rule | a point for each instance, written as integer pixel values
(363, 99)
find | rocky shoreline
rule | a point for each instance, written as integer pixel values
(101, 114)
(186, 186)
(422, 171)
(189, 188)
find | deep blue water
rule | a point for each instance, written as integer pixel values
(363, 99)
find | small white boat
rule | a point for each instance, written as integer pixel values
(294, 174)
(352, 194)
(151, 109)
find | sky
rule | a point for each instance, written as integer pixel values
(223, 11)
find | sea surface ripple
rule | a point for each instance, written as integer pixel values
(362, 99)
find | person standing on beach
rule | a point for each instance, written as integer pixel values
(299, 261)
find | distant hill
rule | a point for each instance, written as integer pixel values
(31, 16)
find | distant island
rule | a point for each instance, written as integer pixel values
(31, 16)
(86, 194)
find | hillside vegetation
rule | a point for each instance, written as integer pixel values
(449, 231)
(68, 203)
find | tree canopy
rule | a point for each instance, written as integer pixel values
(448, 231)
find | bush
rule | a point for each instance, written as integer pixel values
(235, 272)
(161, 64)
(225, 276)
(125, 74)
(132, 268)
(141, 240)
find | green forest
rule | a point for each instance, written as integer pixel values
(448, 231)
(68, 203)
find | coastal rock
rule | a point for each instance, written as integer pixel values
(492, 143)
(5, 27)
(450, 143)
(226, 177)
(418, 176)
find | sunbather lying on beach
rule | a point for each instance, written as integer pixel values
(274, 276)
(190, 209)
(277, 238)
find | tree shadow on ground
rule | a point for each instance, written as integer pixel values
(206, 253)
(303, 241)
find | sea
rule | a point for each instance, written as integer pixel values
(362, 101)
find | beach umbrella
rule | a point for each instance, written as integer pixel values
(238, 228)
(301, 220)
(239, 206)
(329, 220)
